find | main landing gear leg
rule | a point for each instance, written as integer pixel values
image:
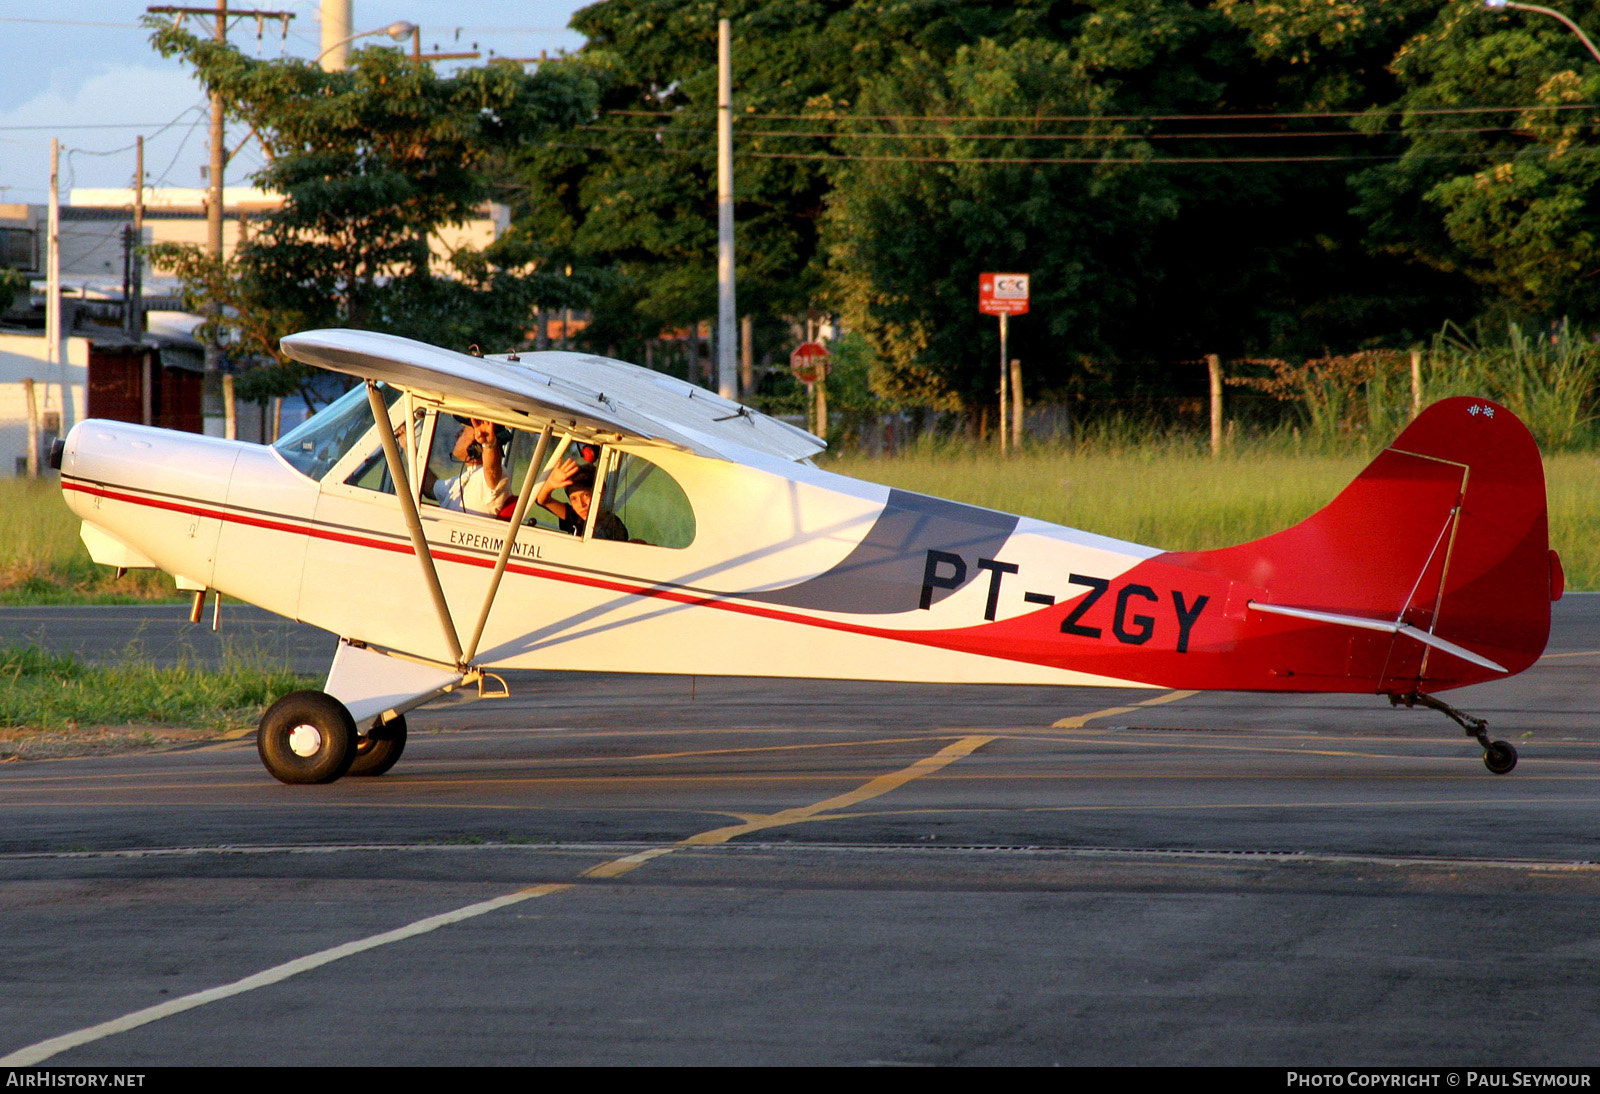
(1498, 756)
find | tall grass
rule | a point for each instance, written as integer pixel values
(1173, 495)
(1357, 402)
(1548, 381)
(42, 560)
(50, 691)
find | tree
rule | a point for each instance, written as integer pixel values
(12, 282)
(636, 190)
(373, 162)
(913, 221)
(1500, 174)
(1245, 256)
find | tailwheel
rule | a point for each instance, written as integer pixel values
(307, 737)
(380, 748)
(1499, 757)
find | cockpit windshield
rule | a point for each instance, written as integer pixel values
(315, 446)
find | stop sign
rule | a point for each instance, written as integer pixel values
(810, 362)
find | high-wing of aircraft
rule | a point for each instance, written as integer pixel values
(453, 515)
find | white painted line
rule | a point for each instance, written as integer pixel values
(43, 1050)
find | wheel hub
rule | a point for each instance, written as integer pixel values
(305, 740)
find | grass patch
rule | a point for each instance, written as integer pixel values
(42, 560)
(53, 699)
(1174, 496)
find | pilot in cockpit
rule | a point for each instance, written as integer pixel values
(481, 485)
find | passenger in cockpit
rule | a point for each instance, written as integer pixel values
(573, 514)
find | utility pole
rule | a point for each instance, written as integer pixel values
(52, 303)
(336, 34)
(219, 161)
(727, 339)
(1005, 388)
(133, 298)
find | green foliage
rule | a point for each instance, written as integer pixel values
(43, 561)
(1508, 198)
(374, 162)
(1548, 381)
(1359, 401)
(1179, 178)
(1080, 232)
(51, 691)
(12, 282)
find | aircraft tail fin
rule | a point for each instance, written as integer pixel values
(1442, 543)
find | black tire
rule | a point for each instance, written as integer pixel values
(307, 737)
(1499, 757)
(380, 748)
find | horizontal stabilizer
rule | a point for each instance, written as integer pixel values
(1366, 624)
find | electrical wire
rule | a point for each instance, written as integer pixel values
(183, 143)
(1224, 115)
(1283, 135)
(1146, 161)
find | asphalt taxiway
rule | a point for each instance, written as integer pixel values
(611, 869)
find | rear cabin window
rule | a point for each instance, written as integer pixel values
(648, 501)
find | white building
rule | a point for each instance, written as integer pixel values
(158, 377)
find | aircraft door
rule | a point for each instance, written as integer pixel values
(360, 574)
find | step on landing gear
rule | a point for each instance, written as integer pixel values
(1498, 756)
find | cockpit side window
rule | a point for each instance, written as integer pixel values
(314, 447)
(372, 473)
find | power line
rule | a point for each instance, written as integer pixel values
(128, 147)
(1409, 112)
(96, 125)
(69, 23)
(842, 135)
(1144, 161)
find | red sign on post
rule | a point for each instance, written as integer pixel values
(809, 363)
(1003, 294)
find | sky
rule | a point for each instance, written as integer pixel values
(84, 73)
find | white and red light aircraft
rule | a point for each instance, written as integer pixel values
(714, 533)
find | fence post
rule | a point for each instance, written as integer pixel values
(1016, 404)
(1214, 366)
(1416, 382)
(230, 409)
(33, 427)
(747, 370)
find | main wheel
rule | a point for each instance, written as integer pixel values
(380, 748)
(1499, 757)
(307, 737)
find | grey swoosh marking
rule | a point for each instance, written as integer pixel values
(882, 575)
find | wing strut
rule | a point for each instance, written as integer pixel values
(408, 506)
(517, 514)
